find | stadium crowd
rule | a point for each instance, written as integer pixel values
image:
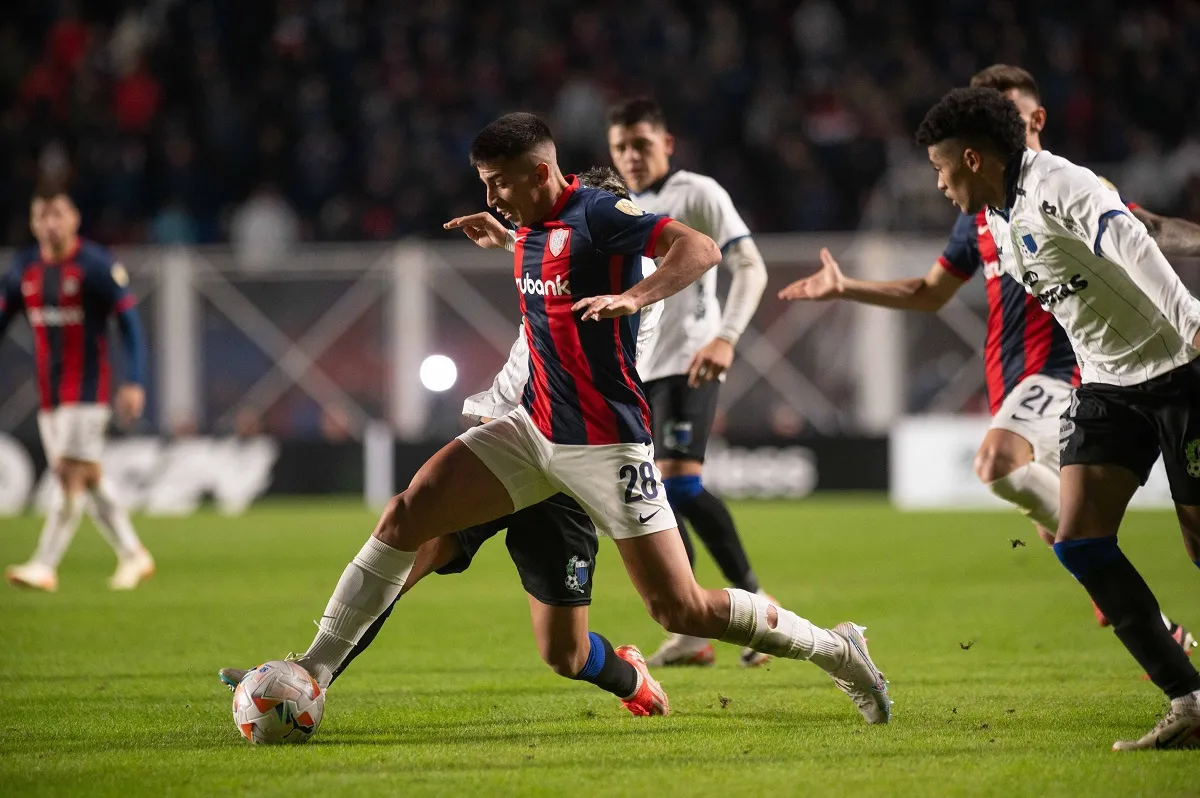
(271, 122)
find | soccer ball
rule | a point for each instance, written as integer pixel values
(278, 702)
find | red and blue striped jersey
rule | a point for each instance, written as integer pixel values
(68, 304)
(1023, 339)
(583, 386)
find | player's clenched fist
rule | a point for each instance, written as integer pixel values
(828, 283)
(482, 228)
(607, 306)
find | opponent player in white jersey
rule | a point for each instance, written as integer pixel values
(1030, 367)
(1071, 241)
(692, 348)
(583, 425)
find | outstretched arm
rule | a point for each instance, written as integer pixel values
(1174, 236)
(928, 293)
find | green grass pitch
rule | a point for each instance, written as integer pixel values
(1004, 685)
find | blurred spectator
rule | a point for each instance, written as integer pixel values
(264, 228)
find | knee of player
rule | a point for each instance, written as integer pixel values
(395, 528)
(673, 613)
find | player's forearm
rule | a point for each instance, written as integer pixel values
(1127, 244)
(913, 293)
(687, 257)
(749, 282)
(134, 343)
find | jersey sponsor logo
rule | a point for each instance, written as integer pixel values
(558, 240)
(1051, 297)
(1030, 245)
(54, 316)
(556, 287)
(577, 574)
(1049, 209)
(628, 208)
(119, 275)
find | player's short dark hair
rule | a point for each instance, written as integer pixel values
(637, 109)
(606, 178)
(978, 117)
(1006, 77)
(510, 136)
(51, 189)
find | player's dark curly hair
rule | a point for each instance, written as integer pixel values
(979, 117)
(607, 178)
(510, 136)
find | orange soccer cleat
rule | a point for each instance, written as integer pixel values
(649, 698)
(1100, 619)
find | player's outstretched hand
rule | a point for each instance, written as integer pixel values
(130, 402)
(607, 306)
(710, 362)
(482, 228)
(825, 284)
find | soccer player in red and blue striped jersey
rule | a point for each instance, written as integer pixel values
(583, 428)
(70, 290)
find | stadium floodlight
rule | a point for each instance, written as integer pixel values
(438, 373)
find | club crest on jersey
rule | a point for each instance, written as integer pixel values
(577, 574)
(1029, 244)
(558, 240)
(70, 286)
(119, 275)
(628, 208)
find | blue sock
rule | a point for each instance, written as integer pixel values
(1081, 557)
(681, 488)
(606, 670)
(1197, 563)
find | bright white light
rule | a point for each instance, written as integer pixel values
(438, 373)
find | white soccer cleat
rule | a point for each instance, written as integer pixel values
(860, 679)
(682, 650)
(32, 575)
(132, 571)
(1179, 728)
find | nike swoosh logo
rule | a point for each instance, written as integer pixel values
(644, 519)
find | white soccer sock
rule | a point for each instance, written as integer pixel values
(1033, 488)
(792, 637)
(62, 519)
(368, 586)
(113, 521)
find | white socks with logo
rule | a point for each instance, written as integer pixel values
(791, 637)
(368, 586)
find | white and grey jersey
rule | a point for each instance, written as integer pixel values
(692, 317)
(505, 394)
(1071, 241)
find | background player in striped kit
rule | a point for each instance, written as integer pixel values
(1029, 362)
(69, 289)
(692, 348)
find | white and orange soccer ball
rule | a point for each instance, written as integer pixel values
(278, 702)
